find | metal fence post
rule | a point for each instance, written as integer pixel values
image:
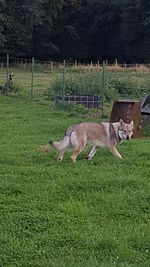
(7, 83)
(1, 69)
(32, 80)
(103, 87)
(64, 64)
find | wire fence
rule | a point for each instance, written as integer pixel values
(37, 79)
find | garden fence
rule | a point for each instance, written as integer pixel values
(47, 79)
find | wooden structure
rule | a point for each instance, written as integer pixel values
(127, 110)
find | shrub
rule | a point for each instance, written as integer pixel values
(76, 84)
(133, 88)
(122, 86)
(110, 92)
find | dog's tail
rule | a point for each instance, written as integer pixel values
(63, 144)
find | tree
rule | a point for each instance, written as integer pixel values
(104, 29)
(136, 24)
(19, 25)
(2, 22)
(76, 29)
(68, 28)
(44, 44)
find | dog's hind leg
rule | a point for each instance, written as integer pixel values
(61, 155)
(92, 152)
(78, 143)
(76, 152)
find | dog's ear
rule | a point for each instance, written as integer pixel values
(132, 124)
(121, 122)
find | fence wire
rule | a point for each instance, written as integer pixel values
(36, 79)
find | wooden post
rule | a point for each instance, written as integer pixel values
(103, 87)
(52, 66)
(7, 83)
(116, 63)
(64, 65)
(32, 80)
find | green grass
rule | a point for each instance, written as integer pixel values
(54, 214)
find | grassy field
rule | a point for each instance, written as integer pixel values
(88, 214)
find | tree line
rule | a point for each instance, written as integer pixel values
(84, 30)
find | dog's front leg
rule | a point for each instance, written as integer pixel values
(92, 152)
(115, 152)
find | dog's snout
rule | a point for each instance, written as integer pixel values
(128, 137)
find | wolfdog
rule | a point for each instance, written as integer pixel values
(101, 134)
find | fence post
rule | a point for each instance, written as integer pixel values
(7, 83)
(64, 64)
(32, 80)
(103, 87)
(75, 64)
(116, 62)
(52, 66)
(1, 69)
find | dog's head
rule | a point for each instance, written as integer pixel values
(125, 130)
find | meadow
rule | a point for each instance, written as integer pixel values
(88, 214)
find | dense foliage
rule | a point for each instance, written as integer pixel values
(76, 29)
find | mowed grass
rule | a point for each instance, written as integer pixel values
(61, 214)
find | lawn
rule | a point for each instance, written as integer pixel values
(62, 214)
